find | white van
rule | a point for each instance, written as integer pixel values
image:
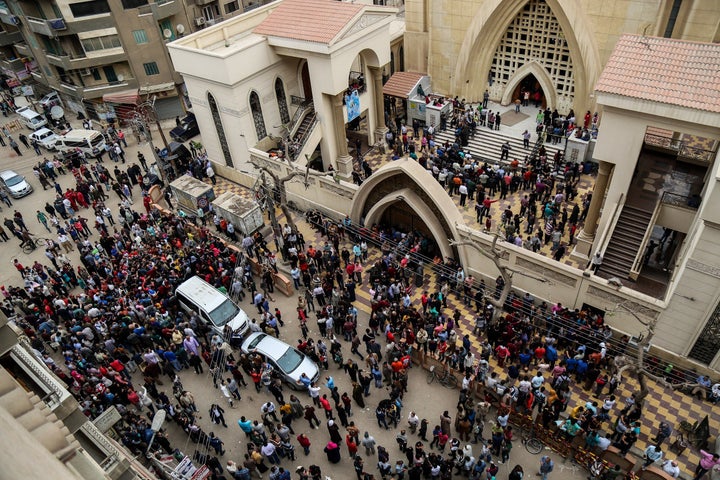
(196, 296)
(31, 118)
(90, 142)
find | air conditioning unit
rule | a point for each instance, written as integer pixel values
(200, 21)
(85, 72)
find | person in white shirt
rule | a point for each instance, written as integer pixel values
(671, 468)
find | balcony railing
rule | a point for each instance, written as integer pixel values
(97, 91)
(683, 201)
(46, 27)
(55, 390)
(10, 38)
(161, 8)
(76, 62)
(681, 149)
(14, 64)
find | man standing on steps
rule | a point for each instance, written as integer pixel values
(486, 98)
(526, 139)
(504, 151)
(497, 121)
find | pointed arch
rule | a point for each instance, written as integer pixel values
(281, 101)
(219, 129)
(406, 181)
(543, 78)
(258, 119)
(490, 24)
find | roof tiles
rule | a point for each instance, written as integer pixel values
(664, 70)
(401, 84)
(318, 21)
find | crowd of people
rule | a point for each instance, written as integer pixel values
(115, 314)
(550, 212)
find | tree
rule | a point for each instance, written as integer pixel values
(280, 182)
(495, 254)
(635, 364)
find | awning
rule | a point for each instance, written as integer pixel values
(401, 84)
(126, 96)
(160, 87)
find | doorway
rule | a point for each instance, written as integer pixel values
(110, 74)
(307, 86)
(530, 85)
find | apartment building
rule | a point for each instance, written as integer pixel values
(102, 56)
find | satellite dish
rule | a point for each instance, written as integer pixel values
(180, 29)
(167, 33)
(121, 77)
(57, 112)
(158, 420)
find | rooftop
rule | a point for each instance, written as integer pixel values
(318, 21)
(401, 84)
(664, 70)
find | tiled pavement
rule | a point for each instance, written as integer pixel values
(661, 404)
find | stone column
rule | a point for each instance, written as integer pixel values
(344, 162)
(380, 128)
(587, 235)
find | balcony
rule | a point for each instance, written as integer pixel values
(9, 38)
(161, 9)
(79, 25)
(13, 64)
(23, 50)
(49, 28)
(71, 62)
(8, 18)
(97, 91)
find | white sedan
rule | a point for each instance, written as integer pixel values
(15, 184)
(289, 362)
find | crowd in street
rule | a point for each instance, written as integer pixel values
(114, 315)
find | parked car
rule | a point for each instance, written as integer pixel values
(289, 362)
(15, 184)
(50, 100)
(45, 137)
(188, 129)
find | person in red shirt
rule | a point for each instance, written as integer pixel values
(539, 354)
(352, 446)
(502, 353)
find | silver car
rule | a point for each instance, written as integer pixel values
(289, 362)
(15, 184)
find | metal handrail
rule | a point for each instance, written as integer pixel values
(637, 264)
(681, 148)
(605, 237)
(298, 117)
(300, 142)
(676, 200)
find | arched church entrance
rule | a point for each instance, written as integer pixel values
(530, 92)
(402, 198)
(399, 220)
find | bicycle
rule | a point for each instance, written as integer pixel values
(29, 247)
(446, 379)
(532, 444)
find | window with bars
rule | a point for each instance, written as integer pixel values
(220, 129)
(535, 36)
(140, 36)
(282, 101)
(151, 68)
(257, 115)
(708, 343)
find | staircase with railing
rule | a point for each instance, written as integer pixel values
(300, 128)
(626, 241)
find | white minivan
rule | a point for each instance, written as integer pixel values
(214, 308)
(31, 118)
(89, 142)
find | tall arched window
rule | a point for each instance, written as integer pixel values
(281, 101)
(257, 115)
(220, 130)
(392, 63)
(401, 54)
